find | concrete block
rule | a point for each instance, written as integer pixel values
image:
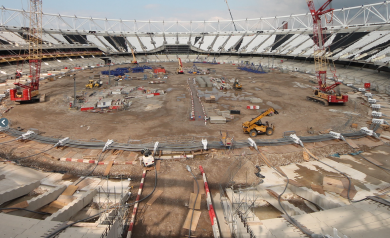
(73, 208)
(255, 100)
(217, 120)
(13, 193)
(41, 200)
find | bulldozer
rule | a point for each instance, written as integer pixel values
(255, 127)
(237, 85)
(93, 84)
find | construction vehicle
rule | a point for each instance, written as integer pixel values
(180, 69)
(30, 92)
(237, 85)
(324, 94)
(148, 156)
(134, 59)
(255, 127)
(93, 84)
(225, 140)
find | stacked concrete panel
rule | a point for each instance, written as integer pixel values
(217, 120)
(18, 191)
(41, 200)
(73, 208)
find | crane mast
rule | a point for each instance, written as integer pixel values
(35, 42)
(324, 94)
(319, 42)
(31, 92)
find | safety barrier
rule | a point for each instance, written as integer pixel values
(213, 217)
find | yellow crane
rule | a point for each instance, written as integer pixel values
(134, 59)
(255, 126)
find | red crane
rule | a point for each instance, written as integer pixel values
(180, 69)
(324, 94)
(30, 93)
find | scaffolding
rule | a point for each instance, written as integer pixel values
(114, 219)
(237, 200)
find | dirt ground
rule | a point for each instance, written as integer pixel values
(167, 116)
(166, 216)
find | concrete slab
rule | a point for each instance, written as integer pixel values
(12, 193)
(41, 200)
(73, 208)
(223, 227)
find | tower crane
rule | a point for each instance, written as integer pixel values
(134, 59)
(180, 69)
(324, 94)
(30, 93)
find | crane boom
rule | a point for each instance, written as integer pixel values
(255, 126)
(134, 59)
(259, 117)
(180, 69)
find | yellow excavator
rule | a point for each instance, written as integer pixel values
(134, 59)
(93, 84)
(255, 126)
(237, 85)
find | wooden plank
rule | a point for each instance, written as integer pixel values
(317, 188)
(149, 168)
(352, 143)
(306, 156)
(57, 204)
(194, 220)
(201, 187)
(154, 197)
(49, 209)
(274, 194)
(65, 199)
(90, 157)
(109, 166)
(85, 183)
(192, 201)
(158, 165)
(18, 205)
(70, 190)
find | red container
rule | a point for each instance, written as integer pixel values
(367, 85)
(159, 70)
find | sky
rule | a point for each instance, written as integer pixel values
(179, 10)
